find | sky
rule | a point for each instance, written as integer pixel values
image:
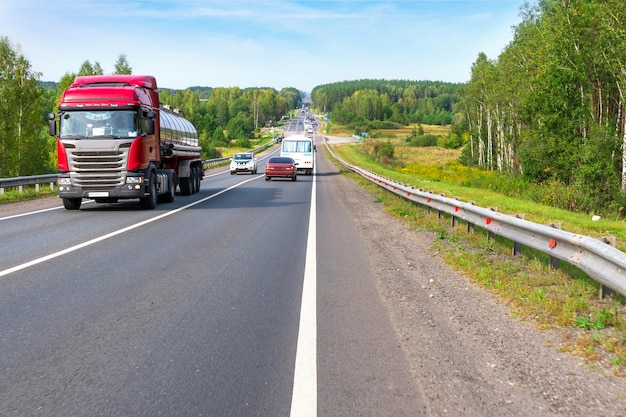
(261, 43)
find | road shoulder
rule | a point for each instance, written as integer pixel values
(468, 355)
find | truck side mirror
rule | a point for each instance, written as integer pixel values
(150, 123)
(52, 125)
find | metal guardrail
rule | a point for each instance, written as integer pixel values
(601, 261)
(36, 180)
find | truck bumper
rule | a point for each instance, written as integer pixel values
(126, 191)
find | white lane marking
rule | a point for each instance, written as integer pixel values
(30, 212)
(304, 397)
(39, 211)
(117, 232)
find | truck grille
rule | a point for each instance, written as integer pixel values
(98, 169)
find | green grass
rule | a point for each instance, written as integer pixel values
(12, 195)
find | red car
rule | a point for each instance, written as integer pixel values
(279, 166)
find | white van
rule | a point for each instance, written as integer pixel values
(300, 149)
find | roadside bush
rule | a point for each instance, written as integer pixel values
(451, 141)
(423, 140)
(383, 152)
(242, 143)
(210, 152)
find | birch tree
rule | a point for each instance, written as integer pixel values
(22, 145)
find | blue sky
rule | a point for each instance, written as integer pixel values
(259, 43)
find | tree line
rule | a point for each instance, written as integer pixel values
(551, 107)
(370, 104)
(222, 116)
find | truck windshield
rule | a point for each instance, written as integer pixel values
(99, 124)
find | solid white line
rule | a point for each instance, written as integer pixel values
(304, 397)
(117, 232)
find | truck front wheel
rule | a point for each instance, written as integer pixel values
(150, 201)
(72, 203)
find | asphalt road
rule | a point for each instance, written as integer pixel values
(195, 308)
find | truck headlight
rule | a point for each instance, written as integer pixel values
(64, 181)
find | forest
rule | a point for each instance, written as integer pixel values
(550, 109)
(222, 116)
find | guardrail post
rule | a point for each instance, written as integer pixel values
(440, 213)
(555, 263)
(454, 218)
(21, 189)
(37, 187)
(490, 234)
(517, 247)
(1, 190)
(470, 226)
(605, 291)
(428, 207)
(51, 186)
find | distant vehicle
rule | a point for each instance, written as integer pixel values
(279, 166)
(243, 162)
(300, 148)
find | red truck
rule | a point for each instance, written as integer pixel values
(116, 141)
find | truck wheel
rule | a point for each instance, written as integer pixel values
(185, 186)
(192, 180)
(150, 201)
(198, 179)
(195, 184)
(72, 203)
(171, 190)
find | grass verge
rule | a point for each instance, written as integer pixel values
(29, 193)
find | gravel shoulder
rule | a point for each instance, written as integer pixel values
(9, 209)
(468, 355)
